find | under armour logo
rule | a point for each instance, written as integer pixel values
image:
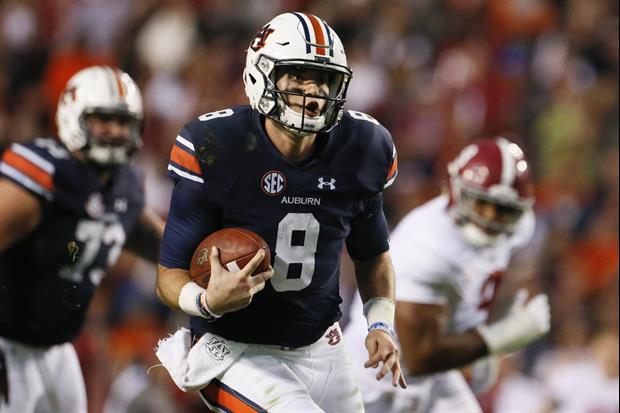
(331, 184)
(333, 337)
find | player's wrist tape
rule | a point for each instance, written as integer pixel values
(190, 302)
(379, 310)
(379, 325)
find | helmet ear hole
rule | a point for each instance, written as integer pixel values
(252, 78)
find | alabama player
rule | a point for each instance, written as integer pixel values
(308, 177)
(449, 256)
(67, 209)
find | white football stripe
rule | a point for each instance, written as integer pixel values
(232, 266)
(509, 165)
(185, 174)
(33, 157)
(24, 180)
(391, 181)
(185, 143)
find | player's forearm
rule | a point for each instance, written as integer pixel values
(170, 281)
(375, 277)
(447, 353)
(145, 239)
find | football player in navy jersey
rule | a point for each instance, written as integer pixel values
(67, 210)
(308, 177)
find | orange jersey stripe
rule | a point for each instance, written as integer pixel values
(29, 169)
(186, 160)
(393, 170)
(318, 32)
(227, 400)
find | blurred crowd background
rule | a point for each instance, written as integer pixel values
(437, 74)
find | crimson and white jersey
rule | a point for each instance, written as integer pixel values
(434, 264)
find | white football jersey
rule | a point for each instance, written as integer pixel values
(434, 264)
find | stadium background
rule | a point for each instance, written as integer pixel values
(436, 73)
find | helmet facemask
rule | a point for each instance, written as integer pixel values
(477, 226)
(106, 150)
(276, 103)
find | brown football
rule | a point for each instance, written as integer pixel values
(237, 246)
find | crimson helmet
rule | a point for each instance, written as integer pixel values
(493, 171)
(296, 41)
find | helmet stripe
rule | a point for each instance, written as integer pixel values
(119, 84)
(509, 164)
(318, 34)
(329, 38)
(108, 74)
(306, 31)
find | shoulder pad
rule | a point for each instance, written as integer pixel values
(202, 142)
(376, 143)
(33, 165)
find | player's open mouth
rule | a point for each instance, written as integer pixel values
(312, 109)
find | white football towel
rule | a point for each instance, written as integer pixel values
(193, 367)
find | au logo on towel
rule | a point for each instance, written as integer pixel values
(217, 348)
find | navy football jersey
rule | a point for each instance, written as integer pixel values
(47, 279)
(228, 173)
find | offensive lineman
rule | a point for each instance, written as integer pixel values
(67, 210)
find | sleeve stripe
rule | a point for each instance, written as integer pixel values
(24, 180)
(33, 157)
(185, 174)
(391, 181)
(185, 143)
(393, 170)
(29, 169)
(185, 159)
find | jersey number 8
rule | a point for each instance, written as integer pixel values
(296, 244)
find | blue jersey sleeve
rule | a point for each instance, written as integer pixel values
(369, 234)
(34, 166)
(190, 220)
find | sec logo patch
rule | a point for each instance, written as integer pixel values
(273, 183)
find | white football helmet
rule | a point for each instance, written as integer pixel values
(494, 171)
(105, 91)
(296, 40)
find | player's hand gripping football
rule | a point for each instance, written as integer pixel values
(382, 348)
(229, 291)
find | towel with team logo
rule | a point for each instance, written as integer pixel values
(193, 367)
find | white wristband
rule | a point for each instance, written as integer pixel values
(188, 301)
(379, 310)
